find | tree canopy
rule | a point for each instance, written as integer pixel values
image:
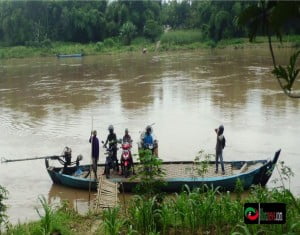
(27, 22)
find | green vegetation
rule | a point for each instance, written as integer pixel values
(3, 196)
(127, 32)
(204, 210)
(61, 220)
(271, 18)
(38, 23)
(168, 43)
(181, 37)
(46, 28)
(150, 174)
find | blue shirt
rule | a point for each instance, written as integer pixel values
(148, 139)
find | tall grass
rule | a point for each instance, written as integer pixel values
(112, 222)
(59, 220)
(206, 210)
(46, 217)
(145, 214)
(201, 211)
(181, 37)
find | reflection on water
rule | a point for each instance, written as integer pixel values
(79, 200)
(49, 103)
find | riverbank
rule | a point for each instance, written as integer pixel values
(200, 211)
(175, 41)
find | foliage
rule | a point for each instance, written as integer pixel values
(152, 30)
(202, 210)
(239, 188)
(63, 220)
(268, 18)
(127, 32)
(47, 218)
(145, 213)
(39, 22)
(181, 37)
(3, 196)
(202, 162)
(150, 173)
(112, 222)
(289, 74)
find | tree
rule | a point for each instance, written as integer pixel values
(127, 32)
(152, 30)
(268, 18)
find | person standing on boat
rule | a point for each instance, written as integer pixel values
(112, 143)
(219, 148)
(95, 151)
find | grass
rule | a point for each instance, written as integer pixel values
(61, 220)
(170, 41)
(181, 37)
(201, 211)
(108, 46)
(112, 222)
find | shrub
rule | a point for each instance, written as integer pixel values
(181, 37)
(109, 42)
(99, 46)
(3, 196)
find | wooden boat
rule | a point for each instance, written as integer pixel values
(69, 55)
(178, 174)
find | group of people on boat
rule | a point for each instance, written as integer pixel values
(147, 141)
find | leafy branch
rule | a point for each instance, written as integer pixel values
(269, 17)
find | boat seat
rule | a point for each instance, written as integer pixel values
(243, 168)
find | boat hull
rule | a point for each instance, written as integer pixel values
(260, 175)
(69, 55)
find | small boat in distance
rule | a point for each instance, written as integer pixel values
(69, 55)
(178, 174)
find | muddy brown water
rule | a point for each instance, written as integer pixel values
(49, 103)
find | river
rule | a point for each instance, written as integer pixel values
(49, 103)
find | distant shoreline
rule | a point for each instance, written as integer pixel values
(111, 47)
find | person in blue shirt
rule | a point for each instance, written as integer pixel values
(149, 142)
(148, 138)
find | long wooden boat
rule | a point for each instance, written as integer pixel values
(69, 55)
(178, 174)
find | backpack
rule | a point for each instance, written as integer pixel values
(223, 142)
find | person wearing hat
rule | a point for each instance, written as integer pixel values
(95, 151)
(127, 137)
(219, 148)
(112, 142)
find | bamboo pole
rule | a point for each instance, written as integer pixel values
(90, 182)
